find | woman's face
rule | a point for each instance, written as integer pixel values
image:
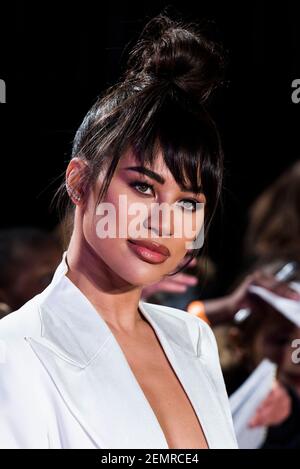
(129, 214)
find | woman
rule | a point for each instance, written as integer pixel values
(98, 367)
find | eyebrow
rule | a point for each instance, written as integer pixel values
(157, 177)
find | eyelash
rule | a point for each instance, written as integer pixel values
(141, 183)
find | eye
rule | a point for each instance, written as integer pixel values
(191, 204)
(142, 187)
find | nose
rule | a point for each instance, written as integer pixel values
(161, 220)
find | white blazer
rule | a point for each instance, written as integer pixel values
(65, 381)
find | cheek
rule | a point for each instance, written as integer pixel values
(193, 223)
(178, 249)
(188, 228)
(120, 197)
(114, 250)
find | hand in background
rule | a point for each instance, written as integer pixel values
(274, 409)
(240, 297)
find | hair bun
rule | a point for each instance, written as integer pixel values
(170, 51)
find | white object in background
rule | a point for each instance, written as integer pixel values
(295, 286)
(245, 401)
(287, 307)
(282, 275)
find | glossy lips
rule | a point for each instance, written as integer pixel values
(149, 251)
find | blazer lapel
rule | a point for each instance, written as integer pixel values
(104, 398)
(182, 345)
(92, 375)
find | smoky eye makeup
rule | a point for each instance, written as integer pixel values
(142, 186)
(142, 183)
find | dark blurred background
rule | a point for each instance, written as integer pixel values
(56, 57)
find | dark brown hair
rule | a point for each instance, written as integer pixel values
(274, 224)
(160, 103)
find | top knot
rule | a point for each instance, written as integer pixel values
(170, 51)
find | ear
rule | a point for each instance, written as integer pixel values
(76, 176)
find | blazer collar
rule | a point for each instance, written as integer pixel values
(72, 324)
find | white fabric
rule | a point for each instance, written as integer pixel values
(286, 306)
(245, 401)
(65, 381)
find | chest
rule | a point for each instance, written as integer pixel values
(164, 392)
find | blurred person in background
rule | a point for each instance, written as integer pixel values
(28, 259)
(274, 220)
(266, 333)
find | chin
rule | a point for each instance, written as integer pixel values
(131, 268)
(142, 276)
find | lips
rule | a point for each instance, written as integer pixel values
(149, 251)
(153, 246)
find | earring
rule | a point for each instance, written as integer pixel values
(72, 193)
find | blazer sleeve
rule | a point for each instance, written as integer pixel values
(21, 420)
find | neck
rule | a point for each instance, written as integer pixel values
(113, 298)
